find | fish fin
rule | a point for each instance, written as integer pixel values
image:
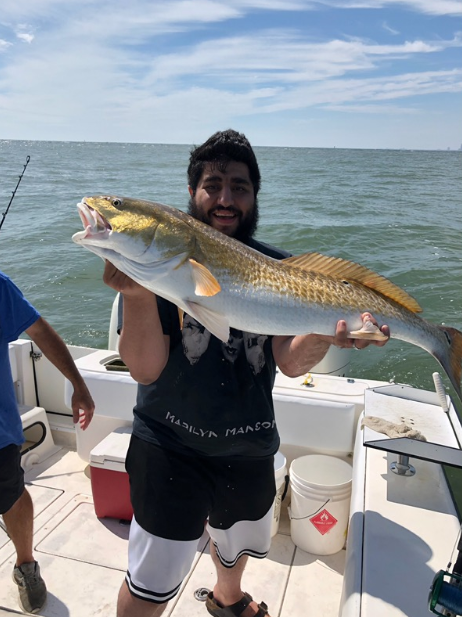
(206, 283)
(368, 332)
(180, 317)
(338, 268)
(452, 362)
(214, 322)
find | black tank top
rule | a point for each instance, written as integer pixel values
(212, 398)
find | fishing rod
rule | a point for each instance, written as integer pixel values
(14, 192)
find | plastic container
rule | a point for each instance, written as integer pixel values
(109, 480)
(320, 503)
(280, 475)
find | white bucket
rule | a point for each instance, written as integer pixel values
(320, 503)
(280, 473)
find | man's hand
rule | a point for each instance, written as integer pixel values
(341, 339)
(54, 348)
(295, 355)
(83, 406)
(122, 283)
(142, 345)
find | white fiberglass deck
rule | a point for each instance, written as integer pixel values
(83, 558)
(402, 530)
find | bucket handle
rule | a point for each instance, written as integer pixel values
(286, 486)
(301, 518)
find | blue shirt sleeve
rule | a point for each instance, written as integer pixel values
(16, 313)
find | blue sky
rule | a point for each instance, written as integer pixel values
(311, 73)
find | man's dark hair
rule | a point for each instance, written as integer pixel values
(221, 148)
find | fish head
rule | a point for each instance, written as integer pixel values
(139, 230)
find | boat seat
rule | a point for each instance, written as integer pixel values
(39, 443)
(402, 529)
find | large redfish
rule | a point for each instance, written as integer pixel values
(223, 283)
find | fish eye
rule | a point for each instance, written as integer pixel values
(116, 203)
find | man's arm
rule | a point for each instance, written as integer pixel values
(296, 355)
(142, 346)
(54, 348)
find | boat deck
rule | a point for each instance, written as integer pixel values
(83, 559)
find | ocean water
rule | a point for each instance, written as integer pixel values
(397, 212)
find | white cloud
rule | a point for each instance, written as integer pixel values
(145, 71)
(27, 38)
(398, 87)
(4, 45)
(292, 60)
(428, 7)
(341, 94)
(24, 32)
(389, 29)
(375, 109)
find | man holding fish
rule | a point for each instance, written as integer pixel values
(204, 436)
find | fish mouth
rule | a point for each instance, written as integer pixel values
(94, 223)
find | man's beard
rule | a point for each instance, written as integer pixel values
(247, 224)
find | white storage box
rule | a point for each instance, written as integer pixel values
(114, 393)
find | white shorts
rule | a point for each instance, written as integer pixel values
(157, 567)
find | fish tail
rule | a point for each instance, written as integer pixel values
(452, 362)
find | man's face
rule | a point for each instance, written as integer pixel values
(225, 200)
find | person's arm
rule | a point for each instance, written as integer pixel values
(142, 345)
(296, 355)
(54, 348)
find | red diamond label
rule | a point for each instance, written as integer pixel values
(324, 521)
